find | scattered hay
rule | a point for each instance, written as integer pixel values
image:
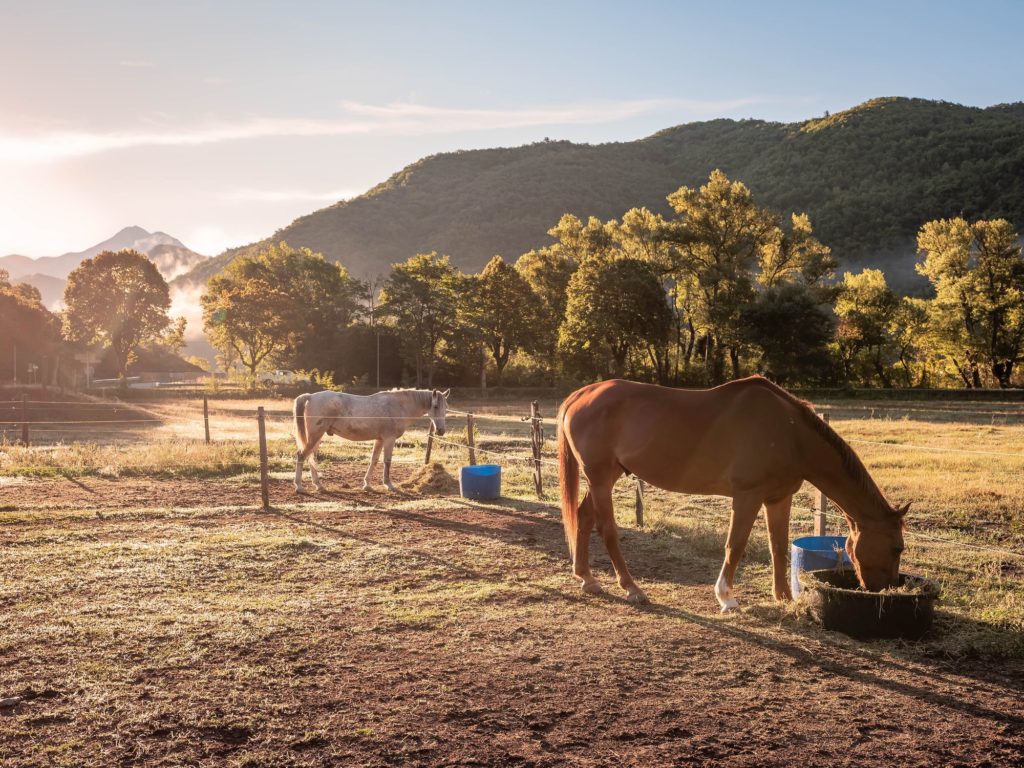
(432, 478)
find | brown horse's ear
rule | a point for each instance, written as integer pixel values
(902, 511)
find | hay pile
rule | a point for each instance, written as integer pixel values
(432, 478)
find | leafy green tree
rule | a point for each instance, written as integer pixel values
(501, 307)
(547, 272)
(615, 307)
(909, 333)
(579, 242)
(792, 329)
(27, 325)
(421, 296)
(119, 300)
(720, 233)
(246, 318)
(286, 305)
(865, 308)
(977, 271)
(797, 255)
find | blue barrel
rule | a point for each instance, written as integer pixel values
(482, 481)
(817, 553)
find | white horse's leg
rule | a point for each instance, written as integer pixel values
(298, 471)
(389, 447)
(314, 470)
(374, 456)
(307, 453)
(744, 513)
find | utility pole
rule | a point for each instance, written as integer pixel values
(373, 320)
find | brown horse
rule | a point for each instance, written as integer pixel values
(748, 439)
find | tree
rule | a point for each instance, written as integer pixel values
(547, 272)
(720, 234)
(421, 297)
(119, 300)
(614, 307)
(797, 256)
(28, 327)
(909, 334)
(792, 329)
(286, 305)
(501, 307)
(865, 308)
(977, 271)
(247, 317)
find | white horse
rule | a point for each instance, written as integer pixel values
(382, 417)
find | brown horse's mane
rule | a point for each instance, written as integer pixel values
(851, 462)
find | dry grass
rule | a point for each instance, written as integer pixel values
(973, 498)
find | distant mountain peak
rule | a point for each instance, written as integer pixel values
(170, 255)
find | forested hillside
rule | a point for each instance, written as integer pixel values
(869, 177)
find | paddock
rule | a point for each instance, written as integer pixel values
(154, 613)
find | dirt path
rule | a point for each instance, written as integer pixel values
(363, 629)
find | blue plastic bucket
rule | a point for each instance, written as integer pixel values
(482, 481)
(817, 553)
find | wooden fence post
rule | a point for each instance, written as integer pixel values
(430, 443)
(537, 436)
(821, 505)
(471, 439)
(24, 420)
(206, 418)
(264, 480)
(639, 503)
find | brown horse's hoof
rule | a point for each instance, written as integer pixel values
(636, 596)
(592, 587)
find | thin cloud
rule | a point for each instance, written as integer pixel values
(392, 119)
(247, 195)
(136, 63)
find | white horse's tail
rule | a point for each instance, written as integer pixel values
(299, 409)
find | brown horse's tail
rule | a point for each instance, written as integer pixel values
(569, 480)
(299, 410)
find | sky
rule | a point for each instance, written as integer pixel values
(219, 123)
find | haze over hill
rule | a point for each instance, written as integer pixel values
(49, 273)
(868, 177)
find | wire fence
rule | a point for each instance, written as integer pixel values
(15, 415)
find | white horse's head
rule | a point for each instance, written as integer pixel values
(438, 409)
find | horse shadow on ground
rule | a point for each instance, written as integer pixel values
(871, 664)
(655, 557)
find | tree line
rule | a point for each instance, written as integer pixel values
(720, 288)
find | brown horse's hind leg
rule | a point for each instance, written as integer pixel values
(610, 533)
(581, 549)
(744, 513)
(777, 516)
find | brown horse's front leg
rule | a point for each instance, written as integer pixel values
(777, 516)
(744, 512)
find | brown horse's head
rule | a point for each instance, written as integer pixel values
(875, 547)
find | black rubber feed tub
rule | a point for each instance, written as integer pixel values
(837, 602)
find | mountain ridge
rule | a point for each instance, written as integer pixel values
(868, 176)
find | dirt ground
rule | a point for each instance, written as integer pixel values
(173, 623)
